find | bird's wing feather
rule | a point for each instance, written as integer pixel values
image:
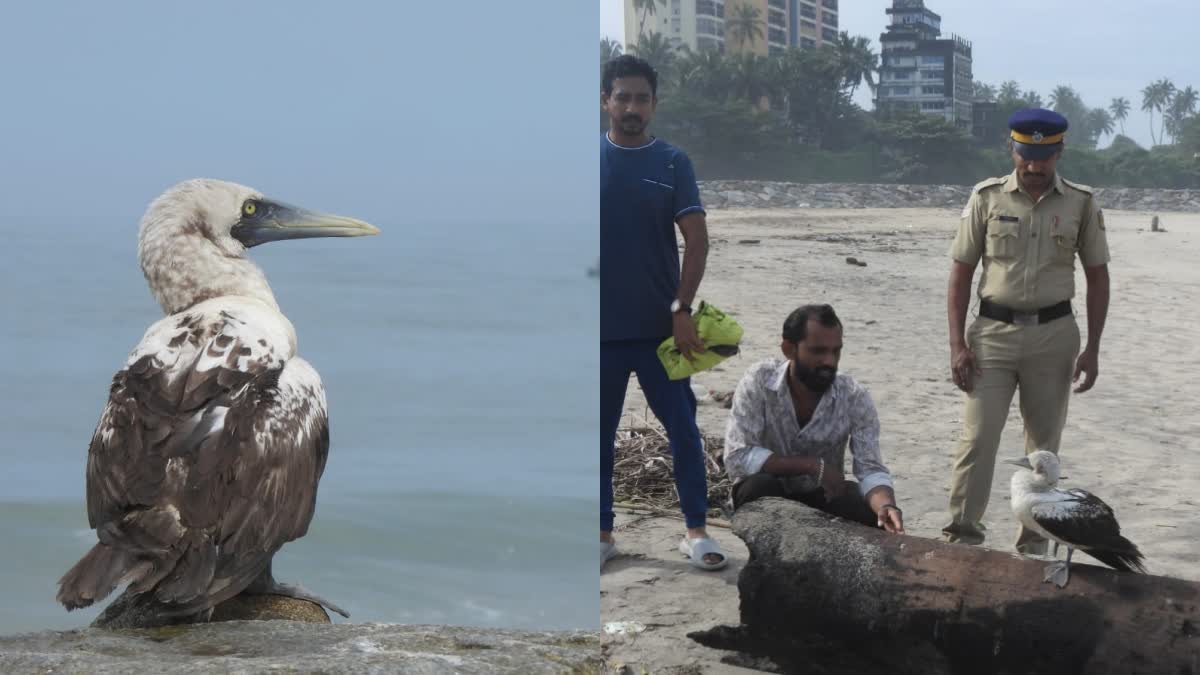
(211, 425)
(282, 441)
(1077, 517)
(164, 415)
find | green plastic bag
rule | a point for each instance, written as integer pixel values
(719, 334)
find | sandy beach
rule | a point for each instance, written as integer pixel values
(1129, 439)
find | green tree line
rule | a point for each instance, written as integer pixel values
(791, 117)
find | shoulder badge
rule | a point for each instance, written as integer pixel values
(1100, 218)
(991, 182)
(1082, 188)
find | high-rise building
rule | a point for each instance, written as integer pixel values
(919, 69)
(815, 22)
(987, 126)
(698, 24)
(706, 24)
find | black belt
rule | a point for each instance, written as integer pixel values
(1008, 315)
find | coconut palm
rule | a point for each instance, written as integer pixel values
(1099, 124)
(1066, 101)
(658, 50)
(746, 25)
(707, 73)
(1151, 101)
(1182, 107)
(1186, 100)
(609, 50)
(1157, 97)
(1063, 97)
(751, 76)
(983, 91)
(860, 62)
(1120, 110)
(646, 8)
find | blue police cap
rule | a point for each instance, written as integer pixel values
(1037, 133)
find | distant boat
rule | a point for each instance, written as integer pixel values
(594, 271)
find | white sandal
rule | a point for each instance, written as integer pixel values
(608, 551)
(696, 549)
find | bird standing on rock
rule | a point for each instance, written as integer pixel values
(206, 458)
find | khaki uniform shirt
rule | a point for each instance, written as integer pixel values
(1028, 249)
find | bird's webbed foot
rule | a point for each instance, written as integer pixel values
(295, 591)
(1058, 573)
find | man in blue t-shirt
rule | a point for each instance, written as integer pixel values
(647, 187)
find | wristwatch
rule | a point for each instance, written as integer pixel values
(677, 306)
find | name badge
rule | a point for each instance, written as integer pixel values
(1009, 219)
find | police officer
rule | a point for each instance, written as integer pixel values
(1027, 228)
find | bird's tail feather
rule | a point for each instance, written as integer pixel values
(191, 575)
(92, 578)
(1121, 554)
(231, 576)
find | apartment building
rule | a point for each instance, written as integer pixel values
(705, 24)
(921, 70)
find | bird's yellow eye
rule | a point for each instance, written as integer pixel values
(249, 208)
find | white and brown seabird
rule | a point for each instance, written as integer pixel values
(207, 456)
(1074, 518)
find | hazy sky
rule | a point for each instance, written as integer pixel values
(1102, 49)
(423, 113)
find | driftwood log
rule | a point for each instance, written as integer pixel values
(819, 591)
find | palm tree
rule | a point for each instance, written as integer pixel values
(1168, 97)
(1186, 99)
(1151, 101)
(708, 74)
(646, 7)
(657, 49)
(1181, 108)
(745, 25)
(1033, 99)
(1065, 100)
(860, 62)
(814, 91)
(751, 78)
(1120, 110)
(609, 50)
(779, 78)
(1063, 97)
(1157, 96)
(1099, 124)
(983, 91)
(1010, 91)
(685, 75)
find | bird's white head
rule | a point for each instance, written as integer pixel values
(1041, 466)
(193, 239)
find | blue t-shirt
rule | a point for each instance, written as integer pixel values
(643, 191)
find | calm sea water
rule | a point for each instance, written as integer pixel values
(461, 372)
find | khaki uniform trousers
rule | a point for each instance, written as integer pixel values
(1040, 361)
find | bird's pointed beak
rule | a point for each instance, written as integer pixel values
(276, 221)
(1023, 463)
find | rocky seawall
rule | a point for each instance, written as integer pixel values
(726, 194)
(297, 647)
